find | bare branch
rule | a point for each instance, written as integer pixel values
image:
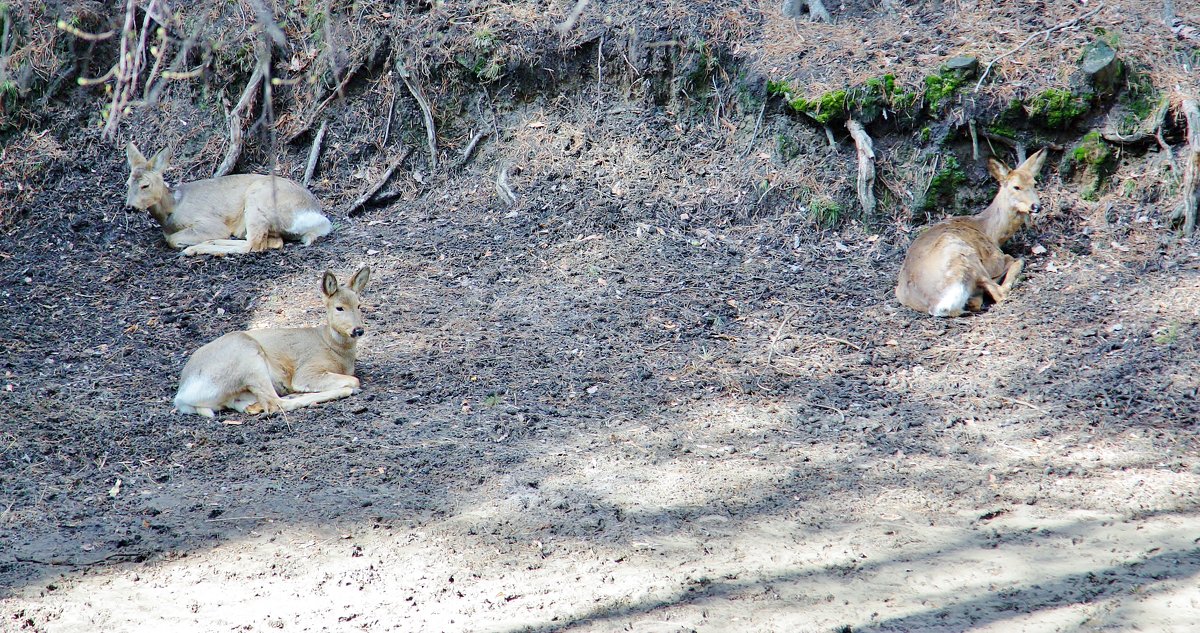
(367, 195)
(1044, 33)
(572, 17)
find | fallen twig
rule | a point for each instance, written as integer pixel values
(237, 116)
(1044, 33)
(779, 332)
(757, 125)
(314, 152)
(362, 200)
(829, 136)
(1024, 403)
(387, 127)
(866, 166)
(974, 139)
(470, 148)
(843, 342)
(337, 92)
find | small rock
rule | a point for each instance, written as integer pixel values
(964, 65)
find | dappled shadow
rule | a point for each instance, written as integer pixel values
(1037, 590)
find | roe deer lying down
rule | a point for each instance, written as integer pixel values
(953, 263)
(261, 211)
(247, 370)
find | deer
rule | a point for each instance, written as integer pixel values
(247, 370)
(201, 216)
(953, 264)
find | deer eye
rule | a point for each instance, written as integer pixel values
(1017, 187)
(340, 309)
(145, 185)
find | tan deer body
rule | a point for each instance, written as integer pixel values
(201, 216)
(953, 264)
(248, 370)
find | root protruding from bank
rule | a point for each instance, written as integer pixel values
(866, 166)
(1190, 202)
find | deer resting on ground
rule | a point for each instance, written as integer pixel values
(247, 370)
(953, 264)
(201, 216)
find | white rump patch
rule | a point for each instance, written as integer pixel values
(197, 393)
(309, 225)
(953, 300)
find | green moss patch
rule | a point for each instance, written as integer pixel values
(1093, 160)
(944, 186)
(1055, 108)
(866, 102)
(822, 109)
(940, 88)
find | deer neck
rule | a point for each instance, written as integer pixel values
(161, 211)
(998, 221)
(344, 347)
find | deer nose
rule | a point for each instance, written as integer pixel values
(1037, 207)
(356, 332)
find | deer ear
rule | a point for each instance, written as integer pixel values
(160, 160)
(1034, 163)
(359, 281)
(134, 156)
(329, 284)
(997, 169)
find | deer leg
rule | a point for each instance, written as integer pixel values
(187, 237)
(298, 400)
(994, 290)
(266, 400)
(1015, 266)
(325, 381)
(218, 248)
(258, 230)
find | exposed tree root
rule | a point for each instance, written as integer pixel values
(572, 17)
(1147, 129)
(502, 188)
(237, 117)
(339, 91)
(426, 112)
(816, 9)
(866, 166)
(314, 153)
(1190, 203)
